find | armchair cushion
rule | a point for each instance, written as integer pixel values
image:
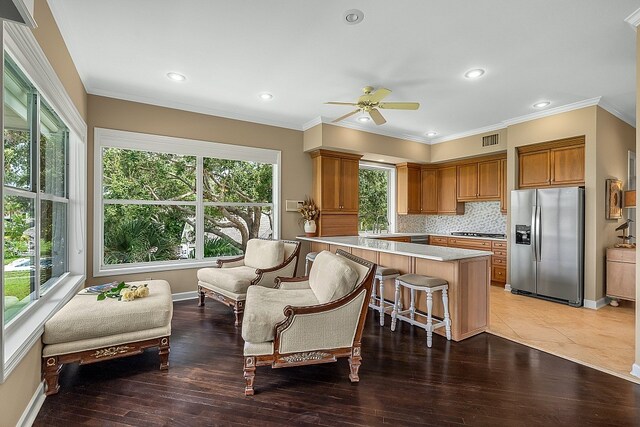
(264, 253)
(331, 277)
(265, 308)
(234, 279)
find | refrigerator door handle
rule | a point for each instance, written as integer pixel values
(534, 232)
(538, 234)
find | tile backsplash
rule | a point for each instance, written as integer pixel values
(478, 216)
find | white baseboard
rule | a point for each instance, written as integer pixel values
(31, 411)
(635, 370)
(595, 305)
(182, 296)
(507, 287)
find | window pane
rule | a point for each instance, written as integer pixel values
(19, 260)
(18, 98)
(146, 233)
(141, 175)
(227, 228)
(237, 181)
(374, 190)
(54, 137)
(53, 244)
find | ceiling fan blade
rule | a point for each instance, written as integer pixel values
(379, 95)
(399, 105)
(346, 116)
(341, 103)
(377, 117)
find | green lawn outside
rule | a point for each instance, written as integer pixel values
(16, 283)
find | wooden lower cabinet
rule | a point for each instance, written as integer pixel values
(621, 273)
(338, 224)
(404, 239)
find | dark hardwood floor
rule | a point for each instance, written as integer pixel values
(485, 380)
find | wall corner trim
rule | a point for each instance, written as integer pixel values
(312, 123)
(183, 296)
(635, 370)
(633, 19)
(595, 305)
(33, 407)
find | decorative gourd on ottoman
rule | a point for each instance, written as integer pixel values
(309, 320)
(263, 261)
(88, 330)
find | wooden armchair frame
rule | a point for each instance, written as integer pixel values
(238, 304)
(354, 352)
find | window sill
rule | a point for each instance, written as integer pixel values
(22, 333)
(116, 270)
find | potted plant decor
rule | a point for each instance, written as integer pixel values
(309, 212)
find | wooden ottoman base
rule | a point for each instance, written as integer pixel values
(51, 365)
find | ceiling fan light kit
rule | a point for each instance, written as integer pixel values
(370, 102)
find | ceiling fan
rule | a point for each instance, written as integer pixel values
(370, 102)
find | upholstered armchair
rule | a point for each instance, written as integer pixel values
(309, 320)
(263, 261)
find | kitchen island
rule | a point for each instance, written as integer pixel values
(467, 271)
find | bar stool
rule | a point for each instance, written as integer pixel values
(416, 282)
(311, 256)
(377, 302)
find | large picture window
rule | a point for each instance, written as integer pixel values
(167, 202)
(377, 197)
(35, 193)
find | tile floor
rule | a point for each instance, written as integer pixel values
(603, 339)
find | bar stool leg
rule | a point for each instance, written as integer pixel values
(381, 309)
(373, 290)
(447, 319)
(396, 307)
(412, 309)
(306, 267)
(429, 319)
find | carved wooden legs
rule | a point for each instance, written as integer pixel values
(381, 282)
(355, 360)
(238, 310)
(200, 297)
(447, 319)
(249, 374)
(163, 350)
(396, 307)
(51, 370)
(429, 318)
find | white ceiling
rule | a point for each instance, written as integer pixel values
(301, 52)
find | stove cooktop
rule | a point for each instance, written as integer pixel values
(470, 234)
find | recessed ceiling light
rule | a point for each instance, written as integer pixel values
(363, 119)
(266, 96)
(474, 74)
(176, 77)
(541, 104)
(432, 133)
(353, 16)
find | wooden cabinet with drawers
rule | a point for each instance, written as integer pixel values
(552, 164)
(335, 191)
(498, 247)
(403, 239)
(621, 273)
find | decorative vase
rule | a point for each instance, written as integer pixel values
(310, 227)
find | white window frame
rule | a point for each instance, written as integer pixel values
(111, 138)
(391, 189)
(19, 335)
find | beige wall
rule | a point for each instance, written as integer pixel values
(136, 117)
(17, 390)
(470, 146)
(50, 40)
(374, 147)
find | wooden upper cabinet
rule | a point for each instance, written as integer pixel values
(408, 176)
(489, 180)
(567, 165)
(534, 169)
(349, 190)
(447, 189)
(330, 185)
(429, 187)
(503, 186)
(556, 163)
(467, 181)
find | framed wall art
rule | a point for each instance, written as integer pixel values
(613, 209)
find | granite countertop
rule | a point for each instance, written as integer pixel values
(435, 253)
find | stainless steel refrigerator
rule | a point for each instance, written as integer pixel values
(547, 243)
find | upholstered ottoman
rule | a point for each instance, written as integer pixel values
(86, 330)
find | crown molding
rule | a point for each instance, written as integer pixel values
(312, 123)
(465, 134)
(619, 114)
(633, 19)
(193, 108)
